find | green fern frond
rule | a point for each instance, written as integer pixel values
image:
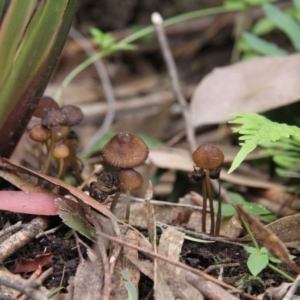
(257, 130)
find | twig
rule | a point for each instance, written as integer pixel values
(158, 23)
(31, 288)
(107, 87)
(22, 237)
(50, 231)
(290, 293)
(11, 228)
(175, 263)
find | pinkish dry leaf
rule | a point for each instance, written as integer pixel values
(34, 203)
(256, 85)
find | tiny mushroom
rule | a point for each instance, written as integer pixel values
(60, 152)
(208, 159)
(73, 115)
(125, 150)
(45, 104)
(39, 133)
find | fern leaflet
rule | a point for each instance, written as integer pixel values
(256, 130)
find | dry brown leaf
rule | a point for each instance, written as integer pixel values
(256, 85)
(89, 280)
(119, 291)
(274, 245)
(170, 279)
(287, 230)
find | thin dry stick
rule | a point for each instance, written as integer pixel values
(176, 263)
(167, 54)
(107, 87)
(31, 288)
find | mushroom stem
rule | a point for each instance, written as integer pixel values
(127, 215)
(211, 204)
(218, 222)
(50, 151)
(61, 167)
(204, 193)
(114, 202)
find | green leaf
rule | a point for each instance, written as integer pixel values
(256, 262)
(132, 292)
(262, 46)
(256, 130)
(263, 26)
(284, 22)
(296, 4)
(227, 210)
(74, 216)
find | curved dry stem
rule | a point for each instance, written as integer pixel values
(219, 214)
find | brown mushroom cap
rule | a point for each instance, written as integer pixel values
(125, 150)
(53, 118)
(208, 157)
(130, 179)
(45, 104)
(61, 151)
(73, 115)
(39, 133)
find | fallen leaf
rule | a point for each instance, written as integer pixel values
(256, 85)
(29, 202)
(170, 279)
(30, 265)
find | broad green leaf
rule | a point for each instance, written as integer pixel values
(284, 22)
(228, 210)
(256, 262)
(296, 3)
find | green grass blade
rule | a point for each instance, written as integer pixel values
(262, 46)
(284, 22)
(12, 28)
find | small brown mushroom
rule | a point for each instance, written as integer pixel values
(60, 152)
(208, 159)
(73, 115)
(39, 133)
(125, 150)
(53, 118)
(129, 180)
(45, 104)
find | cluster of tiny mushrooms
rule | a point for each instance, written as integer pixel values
(54, 132)
(124, 151)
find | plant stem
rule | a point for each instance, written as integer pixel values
(50, 151)
(250, 233)
(211, 204)
(282, 273)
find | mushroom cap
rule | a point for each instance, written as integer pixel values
(73, 115)
(125, 150)
(130, 179)
(39, 133)
(208, 157)
(61, 151)
(53, 118)
(45, 104)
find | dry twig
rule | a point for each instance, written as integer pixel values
(167, 54)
